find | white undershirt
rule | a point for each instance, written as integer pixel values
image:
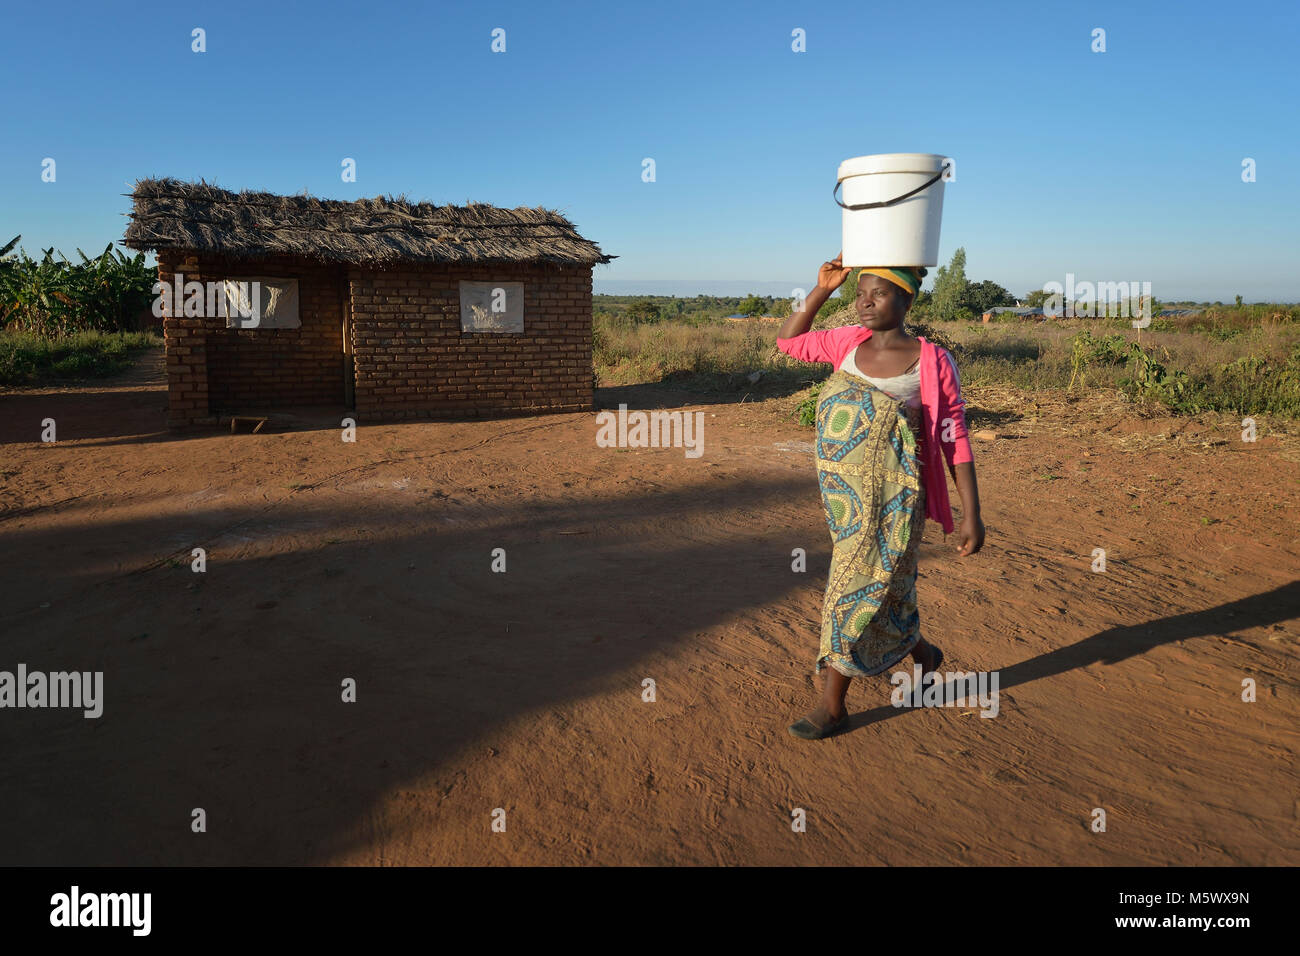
(906, 387)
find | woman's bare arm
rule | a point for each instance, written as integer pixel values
(971, 532)
(802, 321)
(829, 278)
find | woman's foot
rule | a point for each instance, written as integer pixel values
(927, 655)
(820, 723)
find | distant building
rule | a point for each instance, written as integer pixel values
(1033, 312)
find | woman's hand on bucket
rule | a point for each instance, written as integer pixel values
(832, 274)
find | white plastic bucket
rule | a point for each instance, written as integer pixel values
(889, 227)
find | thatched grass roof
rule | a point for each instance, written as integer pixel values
(170, 214)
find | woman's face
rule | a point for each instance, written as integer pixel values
(881, 304)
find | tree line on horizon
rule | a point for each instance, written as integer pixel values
(953, 298)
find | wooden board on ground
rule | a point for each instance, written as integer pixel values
(236, 419)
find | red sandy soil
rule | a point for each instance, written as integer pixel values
(523, 691)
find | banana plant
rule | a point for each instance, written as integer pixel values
(53, 296)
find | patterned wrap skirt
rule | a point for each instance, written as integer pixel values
(869, 472)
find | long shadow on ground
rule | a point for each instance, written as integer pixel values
(1119, 643)
(223, 690)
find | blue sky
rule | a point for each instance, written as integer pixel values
(1123, 165)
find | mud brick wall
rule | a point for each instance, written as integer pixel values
(213, 370)
(413, 361)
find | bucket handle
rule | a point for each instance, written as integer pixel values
(887, 202)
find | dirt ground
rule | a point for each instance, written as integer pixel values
(522, 690)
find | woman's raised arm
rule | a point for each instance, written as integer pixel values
(829, 278)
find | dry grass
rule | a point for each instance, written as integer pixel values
(1015, 377)
(1109, 415)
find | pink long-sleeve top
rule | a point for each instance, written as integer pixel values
(943, 408)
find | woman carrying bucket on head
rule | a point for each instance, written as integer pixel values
(888, 418)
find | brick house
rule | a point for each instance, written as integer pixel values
(391, 309)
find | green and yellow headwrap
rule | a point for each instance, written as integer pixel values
(905, 277)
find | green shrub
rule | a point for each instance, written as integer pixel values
(807, 409)
(1151, 380)
(28, 358)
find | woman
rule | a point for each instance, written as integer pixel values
(885, 415)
